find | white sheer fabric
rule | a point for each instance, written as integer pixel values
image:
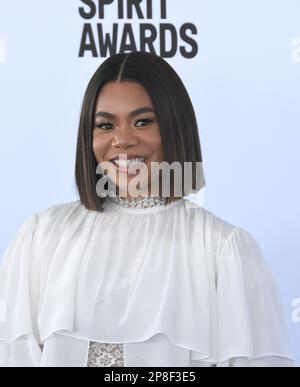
(177, 285)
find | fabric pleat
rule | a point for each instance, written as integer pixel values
(176, 284)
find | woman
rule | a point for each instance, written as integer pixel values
(125, 277)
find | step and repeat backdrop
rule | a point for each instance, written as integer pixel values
(240, 62)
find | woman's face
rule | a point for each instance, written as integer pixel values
(121, 128)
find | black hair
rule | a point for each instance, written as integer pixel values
(174, 110)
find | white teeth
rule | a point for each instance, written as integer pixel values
(126, 163)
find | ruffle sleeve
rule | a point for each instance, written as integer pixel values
(251, 320)
(19, 341)
(214, 298)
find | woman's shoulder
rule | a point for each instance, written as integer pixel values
(236, 244)
(51, 218)
(37, 228)
(237, 252)
(58, 209)
(205, 223)
(226, 236)
(57, 216)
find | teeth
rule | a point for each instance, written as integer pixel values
(126, 163)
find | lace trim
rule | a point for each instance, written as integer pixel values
(105, 355)
(138, 202)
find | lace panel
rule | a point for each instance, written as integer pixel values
(105, 355)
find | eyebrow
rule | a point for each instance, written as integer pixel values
(133, 113)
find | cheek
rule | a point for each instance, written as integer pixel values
(154, 142)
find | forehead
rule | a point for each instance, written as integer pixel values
(125, 95)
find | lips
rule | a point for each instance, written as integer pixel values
(123, 164)
(123, 156)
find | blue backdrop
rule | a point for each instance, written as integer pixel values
(240, 61)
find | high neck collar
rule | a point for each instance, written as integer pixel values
(139, 204)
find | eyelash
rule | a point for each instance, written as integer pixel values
(107, 123)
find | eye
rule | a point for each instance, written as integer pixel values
(145, 120)
(100, 126)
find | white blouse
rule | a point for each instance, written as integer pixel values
(175, 285)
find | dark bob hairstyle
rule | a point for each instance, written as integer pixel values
(174, 110)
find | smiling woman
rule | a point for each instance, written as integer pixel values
(136, 106)
(133, 129)
(137, 281)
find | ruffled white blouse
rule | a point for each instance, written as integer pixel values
(175, 285)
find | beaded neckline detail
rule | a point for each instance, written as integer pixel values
(138, 202)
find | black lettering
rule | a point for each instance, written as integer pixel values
(163, 9)
(185, 27)
(101, 4)
(92, 12)
(149, 9)
(105, 44)
(174, 41)
(87, 33)
(121, 9)
(149, 40)
(136, 4)
(131, 46)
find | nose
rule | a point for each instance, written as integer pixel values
(123, 138)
